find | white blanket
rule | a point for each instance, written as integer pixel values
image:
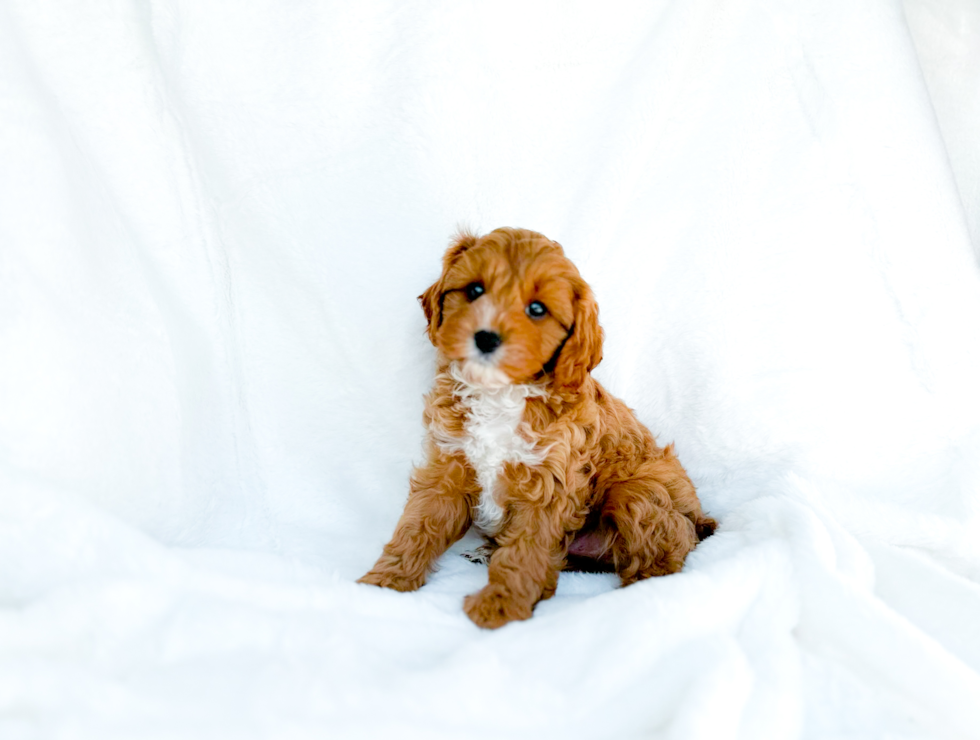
(215, 218)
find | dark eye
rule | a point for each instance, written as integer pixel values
(473, 291)
(535, 309)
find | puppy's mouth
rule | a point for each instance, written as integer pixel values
(482, 375)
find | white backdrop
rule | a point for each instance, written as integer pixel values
(214, 220)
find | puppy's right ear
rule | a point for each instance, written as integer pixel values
(431, 299)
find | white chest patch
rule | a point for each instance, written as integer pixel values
(491, 439)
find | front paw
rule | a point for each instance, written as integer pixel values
(391, 579)
(494, 607)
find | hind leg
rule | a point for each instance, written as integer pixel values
(647, 535)
(667, 470)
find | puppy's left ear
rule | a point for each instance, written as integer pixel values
(431, 299)
(583, 347)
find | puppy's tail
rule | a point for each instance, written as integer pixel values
(704, 526)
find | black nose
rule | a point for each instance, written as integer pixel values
(487, 341)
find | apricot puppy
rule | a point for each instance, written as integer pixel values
(525, 445)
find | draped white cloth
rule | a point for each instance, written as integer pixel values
(214, 220)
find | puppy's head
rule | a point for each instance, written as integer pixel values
(509, 307)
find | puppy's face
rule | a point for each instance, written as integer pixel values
(511, 308)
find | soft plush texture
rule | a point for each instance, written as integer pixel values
(214, 221)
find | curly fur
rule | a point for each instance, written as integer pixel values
(524, 444)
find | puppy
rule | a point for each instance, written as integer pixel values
(525, 445)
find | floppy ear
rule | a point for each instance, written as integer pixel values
(582, 350)
(430, 305)
(431, 299)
